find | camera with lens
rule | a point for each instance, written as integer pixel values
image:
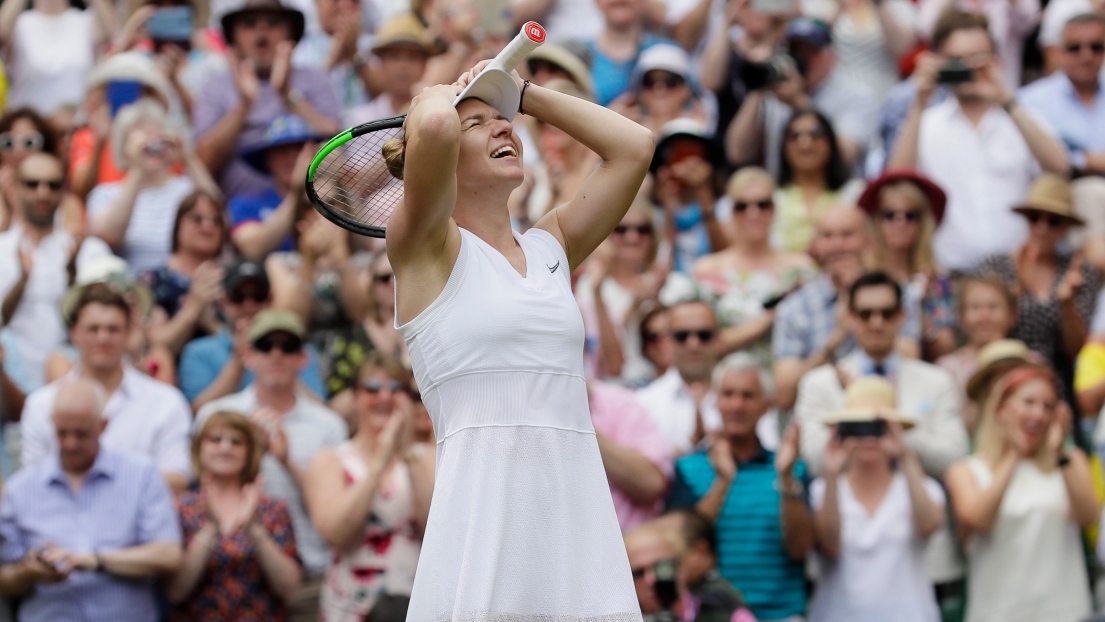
(954, 72)
(665, 572)
(776, 69)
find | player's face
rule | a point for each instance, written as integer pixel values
(489, 149)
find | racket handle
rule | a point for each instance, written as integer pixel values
(531, 36)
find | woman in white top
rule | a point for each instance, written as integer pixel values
(135, 216)
(870, 39)
(1019, 502)
(369, 498)
(875, 510)
(522, 526)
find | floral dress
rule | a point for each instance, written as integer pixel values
(382, 564)
(233, 588)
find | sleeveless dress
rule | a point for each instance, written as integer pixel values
(1034, 546)
(522, 527)
(384, 561)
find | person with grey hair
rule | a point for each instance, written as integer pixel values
(135, 216)
(769, 508)
(85, 533)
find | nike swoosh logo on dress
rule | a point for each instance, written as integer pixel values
(553, 268)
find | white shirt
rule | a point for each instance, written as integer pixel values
(670, 402)
(986, 171)
(36, 325)
(51, 57)
(880, 574)
(146, 417)
(148, 240)
(579, 20)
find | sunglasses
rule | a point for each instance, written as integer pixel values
(383, 279)
(251, 21)
(1075, 48)
(287, 346)
(704, 335)
(886, 313)
(641, 230)
(669, 80)
(31, 142)
(653, 337)
(238, 296)
(1052, 221)
(375, 386)
(34, 184)
(890, 215)
(199, 219)
(741, 206)
(217, 439)
(816, 133)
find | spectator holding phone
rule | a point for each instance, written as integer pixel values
(874, 511)
(749, 273)
(133, 215)
(1020, 501)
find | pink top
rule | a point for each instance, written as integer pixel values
(617, 415)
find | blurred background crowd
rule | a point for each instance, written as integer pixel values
(846, 353)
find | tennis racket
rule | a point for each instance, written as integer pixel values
(348, 181)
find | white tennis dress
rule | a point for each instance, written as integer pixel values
(521, 527)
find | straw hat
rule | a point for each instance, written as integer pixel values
(405, 30)
(115, 272)
(867, 399)
(994, 359)
(132, 66)
(1051, 194)
(572, 62)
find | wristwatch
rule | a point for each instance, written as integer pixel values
(295, 97)
(795, 490)
(1064, 460)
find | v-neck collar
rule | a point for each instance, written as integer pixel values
(525, 256)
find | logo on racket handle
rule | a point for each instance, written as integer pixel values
(534, 31)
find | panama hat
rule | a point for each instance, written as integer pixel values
(132, 67)
(1051, 194)
(405, 30)
(113, 271)
(867, 399)
(566, 56)
(994, 359)
(294, 17)
(937, 198)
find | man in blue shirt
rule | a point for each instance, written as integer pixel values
(211, 367)
(85, 533)
(756, 497)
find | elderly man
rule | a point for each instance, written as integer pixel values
(37, 263)
(296, 428)
(765, 530)
(234, 109)
(86, 531)
(148, 417)
(808, 331)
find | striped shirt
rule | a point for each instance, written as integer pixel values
(123, 503)
(749, 533)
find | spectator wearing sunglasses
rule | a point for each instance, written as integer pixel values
(370, 498)
(663, 89)
(928, 393)
(294, 428)
(214, 366)
(1057, 290)
(750, 272)
(1072, 100)
(905, 209)
(23, 132)
(681, 401)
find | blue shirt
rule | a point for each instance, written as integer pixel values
(16, 371)
(1081, 128)
(749, 533)
(611, 77)
(255, 207)
(123, 503)
(204, 358)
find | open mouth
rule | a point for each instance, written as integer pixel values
(506, 151)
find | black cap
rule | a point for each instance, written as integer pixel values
(245, 271)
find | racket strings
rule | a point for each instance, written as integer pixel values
(354, 182)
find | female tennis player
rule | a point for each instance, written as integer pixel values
(521, 526)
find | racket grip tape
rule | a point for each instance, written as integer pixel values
(531, 36)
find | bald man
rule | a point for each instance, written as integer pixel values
(81, 533)
(809, 330)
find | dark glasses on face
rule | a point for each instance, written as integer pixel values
(238, 297)
(250, 21)
(375, 386)
(199, 219)
(886, 313)
(816, 133)
(383, 279)
(640, 229)
(653, 337)
(31, 142)
(669, 80)
(34, 184)
(217, 439)
(287, 346)
(1051, 221)
(764, 205)
(1095, 47)
(704, 335)
(890, 215)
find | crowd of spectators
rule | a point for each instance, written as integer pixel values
(845, 352)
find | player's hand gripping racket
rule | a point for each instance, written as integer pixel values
(348, 181)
